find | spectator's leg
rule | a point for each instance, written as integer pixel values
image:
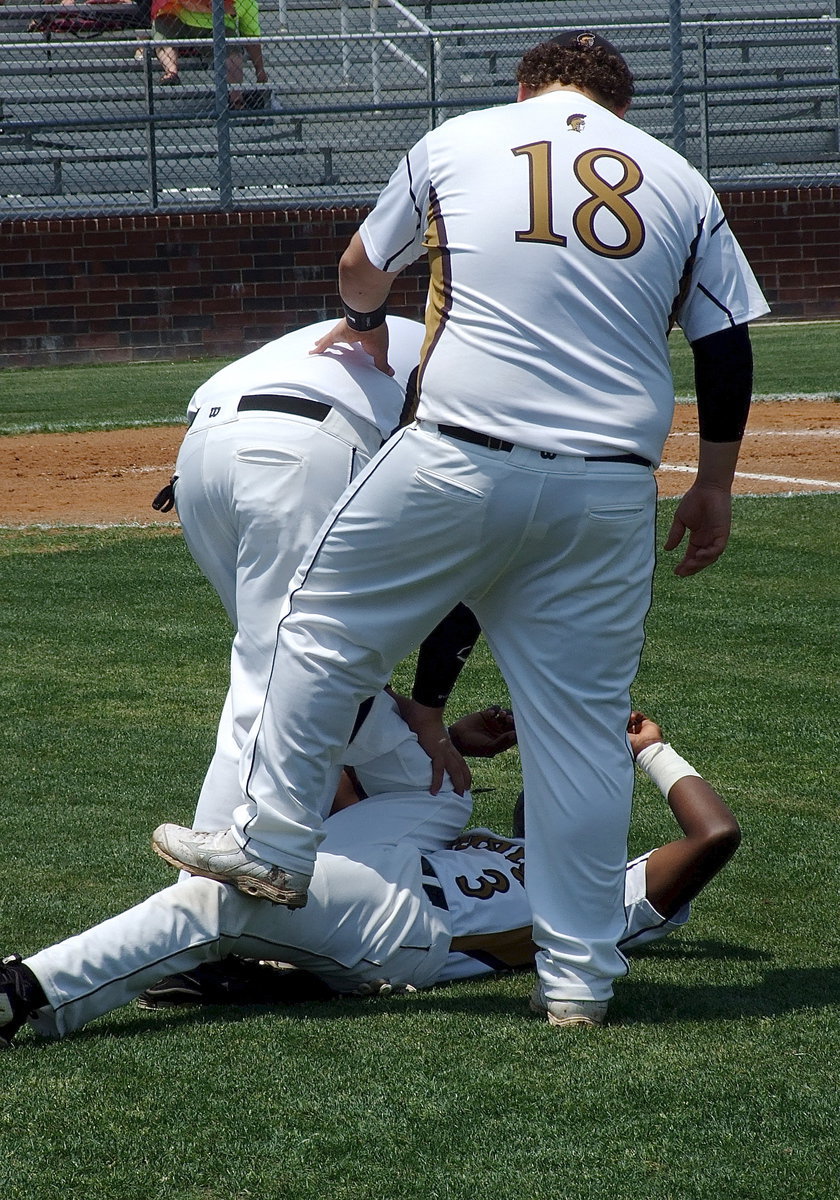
(167, 55)
(235, 75)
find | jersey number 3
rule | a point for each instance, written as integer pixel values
(602, 195)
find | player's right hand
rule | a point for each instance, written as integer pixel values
(642, 732)
(374, 343)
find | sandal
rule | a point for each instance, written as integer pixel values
(170, 78)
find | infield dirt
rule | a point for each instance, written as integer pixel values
(110, 478)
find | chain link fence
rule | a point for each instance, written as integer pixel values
(89, 125)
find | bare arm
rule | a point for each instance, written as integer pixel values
(723, 376)
(706, 509)
(364, 288)
(679, 870)
(256, 56)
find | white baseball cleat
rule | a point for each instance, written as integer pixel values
(568, 1012)
(219, 856)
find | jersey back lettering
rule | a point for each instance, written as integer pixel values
(558, 238)
(483, 880)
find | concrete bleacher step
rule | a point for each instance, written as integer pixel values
(321, 130)
(49, 174)
(599, 12)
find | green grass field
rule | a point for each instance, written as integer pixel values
(789, 360)
(716, 1079)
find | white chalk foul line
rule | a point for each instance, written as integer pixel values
(828, 483)
(777, 397)
(805, 433)
(50, 526)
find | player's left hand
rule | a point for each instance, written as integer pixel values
(484, 734)
(706, 512)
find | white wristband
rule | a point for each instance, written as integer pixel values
(661, 763)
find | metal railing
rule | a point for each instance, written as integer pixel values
(86, 126)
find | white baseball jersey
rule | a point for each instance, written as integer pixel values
(343, 377)
(482, 880)
(602, 236)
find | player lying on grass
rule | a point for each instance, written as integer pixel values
(401, 897)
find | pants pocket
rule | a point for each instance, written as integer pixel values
(618, 512)
(448, 486)
(261, 456)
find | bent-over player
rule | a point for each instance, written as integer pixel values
(273, 440)
(400, 898)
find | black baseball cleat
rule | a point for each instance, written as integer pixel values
(21, 995)
(232, 981)
(235, 980)
(174, 991)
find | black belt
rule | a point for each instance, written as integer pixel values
(431, 886)
(478, 439)
(631, 458)
(491, 443)
(295, 406)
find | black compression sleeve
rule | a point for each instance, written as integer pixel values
(723, 376)
(442, 656)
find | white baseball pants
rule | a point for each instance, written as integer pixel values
(251, 493)
(367, 918)
(554, 555)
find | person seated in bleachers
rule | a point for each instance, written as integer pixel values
(174, 20)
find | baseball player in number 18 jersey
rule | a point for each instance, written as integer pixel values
(602, 238)
(563, 244)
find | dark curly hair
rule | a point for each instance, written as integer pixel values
(604, 74)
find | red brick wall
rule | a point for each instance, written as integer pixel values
(792, 239)
(115, 289)
(190, 285)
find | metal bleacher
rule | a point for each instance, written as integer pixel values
(749, 92)
(761, 81)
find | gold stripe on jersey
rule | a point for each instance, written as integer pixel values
(685, 279)
(440, 282)
(509, 950)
